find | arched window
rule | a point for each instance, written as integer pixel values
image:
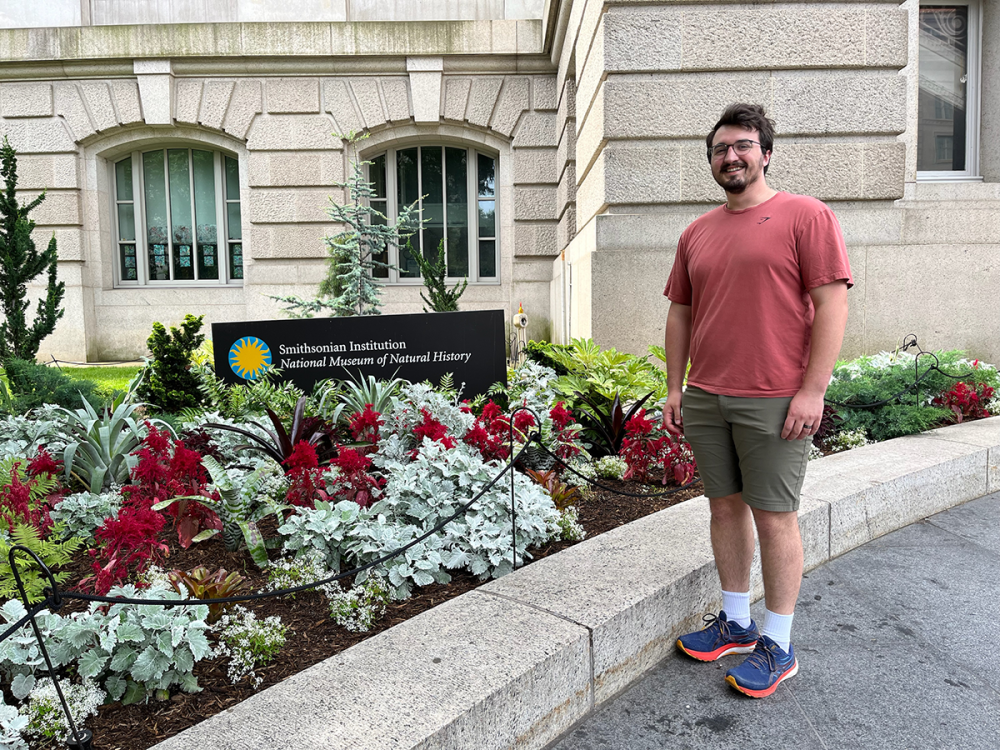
(177, 218)
(455, 191)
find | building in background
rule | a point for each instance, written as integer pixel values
(556, 147)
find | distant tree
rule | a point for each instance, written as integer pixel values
(433, 273)
(351, 287)
(20, 263)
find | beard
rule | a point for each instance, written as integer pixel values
(737, 184)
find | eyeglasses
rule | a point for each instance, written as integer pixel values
(740, 147)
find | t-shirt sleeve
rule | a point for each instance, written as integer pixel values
(822, 252)
(679, 282)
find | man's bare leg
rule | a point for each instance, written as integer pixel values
(781, 558)
(732, 541)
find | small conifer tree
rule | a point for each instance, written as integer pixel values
(20, 263)
(351, 287)
(433, 272)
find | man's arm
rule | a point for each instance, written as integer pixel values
(677, 343)
(830, 302)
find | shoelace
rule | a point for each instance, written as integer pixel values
(711, 620)
(763, 657)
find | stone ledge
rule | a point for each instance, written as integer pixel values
(522, 658)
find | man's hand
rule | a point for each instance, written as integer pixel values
(672, 420)
(804, 415)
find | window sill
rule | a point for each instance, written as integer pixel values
(953, 190)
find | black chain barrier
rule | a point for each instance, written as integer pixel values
(909, 341)
(53, 598)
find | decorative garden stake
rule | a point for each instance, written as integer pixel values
(81, 740)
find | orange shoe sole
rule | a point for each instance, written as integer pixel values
(766, 691)
(732, 648)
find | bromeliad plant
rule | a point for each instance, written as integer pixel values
(238, 505)
(202, 584)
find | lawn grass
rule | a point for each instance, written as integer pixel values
(108, 379)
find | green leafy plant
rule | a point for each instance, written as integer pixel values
(200, 583)
(20, 263)
(351, 286)
(53, 551)
(433, 273)
(168, 382)
(102, 441)
(884, 376)
(245, 400)
(239, 506)
(32, 385)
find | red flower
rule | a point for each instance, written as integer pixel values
(365, 425)
(433, 429)
(354, 482)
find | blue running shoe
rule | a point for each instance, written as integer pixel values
(761, 673)
(719, 637)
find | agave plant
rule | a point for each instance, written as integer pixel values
(99, 452)
(354, 396)
(239, 508)
(282, 441)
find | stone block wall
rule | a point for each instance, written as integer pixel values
(840, 81)
(281, 124)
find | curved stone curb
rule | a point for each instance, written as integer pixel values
(519, 660)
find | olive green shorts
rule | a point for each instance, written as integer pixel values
(737, 444)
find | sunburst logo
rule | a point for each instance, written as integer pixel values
(249, 357)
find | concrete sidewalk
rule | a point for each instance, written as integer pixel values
(897, 647)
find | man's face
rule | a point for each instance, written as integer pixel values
(736, 172)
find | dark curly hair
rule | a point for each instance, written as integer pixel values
(748, 117)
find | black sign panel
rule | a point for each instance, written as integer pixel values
(425, 346)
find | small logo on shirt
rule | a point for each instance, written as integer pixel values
(764, 219)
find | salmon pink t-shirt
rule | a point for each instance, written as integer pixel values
(746, 275)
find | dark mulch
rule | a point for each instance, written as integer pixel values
(312, 635)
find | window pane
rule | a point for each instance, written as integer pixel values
(127, 259)
(232, 179)
(487, 259)
(408, 191)
(123, 179)
(236, 260)
(203, 164)
(456, 169)
(487, 219)
(432, 188)
(126, 221)
(382, 257)
(157, 227)
(487, 182)
(234, 220)
(377, 174)
(944, 38)
(180, 213)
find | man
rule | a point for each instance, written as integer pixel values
(758, 296)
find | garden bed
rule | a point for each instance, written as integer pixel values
(313, 636)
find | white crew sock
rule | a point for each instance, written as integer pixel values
(778, 628)
(736, 605)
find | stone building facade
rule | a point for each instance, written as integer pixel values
(188, 151)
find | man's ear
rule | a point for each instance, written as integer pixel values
(767, 158)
